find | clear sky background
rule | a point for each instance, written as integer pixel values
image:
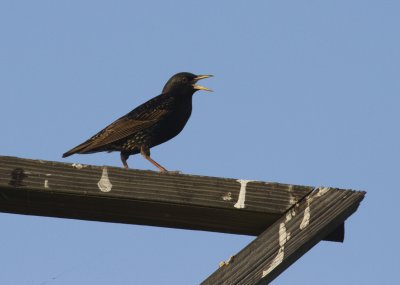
(306, 92)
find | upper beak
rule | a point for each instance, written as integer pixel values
(199, 87)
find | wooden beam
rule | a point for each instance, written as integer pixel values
(289, 219)
(113, 194)
(280, 245)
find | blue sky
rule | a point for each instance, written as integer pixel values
(306, 92)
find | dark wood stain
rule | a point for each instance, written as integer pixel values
(17, 177)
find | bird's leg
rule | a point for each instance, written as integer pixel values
(124, 158)
(145, 151)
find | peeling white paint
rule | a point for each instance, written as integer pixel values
(48, 174)
(46, 183)
(322, 191)
(292, 199)
(223, 263)
(306, 219)
(242, 193)
(275, 262)
(227, 196)
(290, 215)
(78, 165)
(104, 183)
(284, 236)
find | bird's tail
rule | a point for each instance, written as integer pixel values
(78, 149)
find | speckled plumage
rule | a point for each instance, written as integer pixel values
(152, 123)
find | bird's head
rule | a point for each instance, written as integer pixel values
(185, 82)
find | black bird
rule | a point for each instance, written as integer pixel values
(150, 124)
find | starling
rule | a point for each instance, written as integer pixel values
(150, 124)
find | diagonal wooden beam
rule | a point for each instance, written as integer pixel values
(113, 194)
(296, 232)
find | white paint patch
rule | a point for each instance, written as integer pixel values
(306, 219)
(284, 236)
(224, 263)
(275, 262)
(78, 165)
(242, 193)
(290, 215)
(48, 174)
(292, 199)
(227, 196)
(104, 183)
(46, 184)
(322, 191)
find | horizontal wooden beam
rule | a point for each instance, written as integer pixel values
(288, 238)
(113, 194)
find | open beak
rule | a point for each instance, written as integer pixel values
(199, 87)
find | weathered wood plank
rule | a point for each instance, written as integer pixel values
(289, 238)
(113, 194)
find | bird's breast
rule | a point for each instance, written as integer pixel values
(172, 124)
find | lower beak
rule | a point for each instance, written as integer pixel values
(199, 87)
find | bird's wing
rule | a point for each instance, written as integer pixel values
(120, 129)
(123, 128)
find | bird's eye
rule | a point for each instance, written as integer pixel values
(184, 80)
